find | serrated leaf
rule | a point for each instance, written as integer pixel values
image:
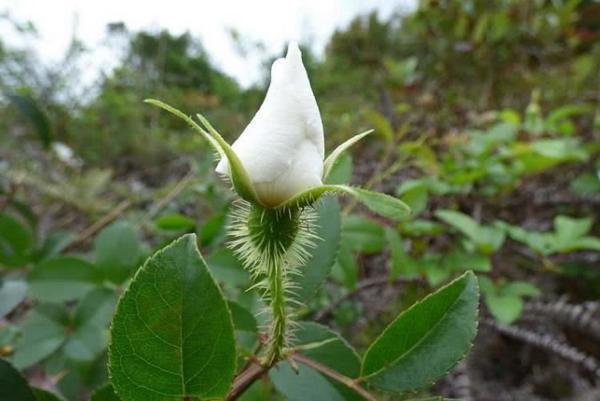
(426, 340)
(62, 278)
(172, 335)
(13, 386)
(318, 266)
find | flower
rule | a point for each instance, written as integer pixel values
(282, 148)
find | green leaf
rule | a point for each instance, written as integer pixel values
(460, 221)
(415, 194)
(243, 320)
(337, 152)
(487, 238)
(426, 340)
(16, 242)
(420, 227)
(568, 228)
(400, 263)
(105, 393)
(43, 333)
(436, 272)
(172, 334)
(118, 250)
(382, 204)
(227, 268)
(346, 270)
(543, 243)
(12, 292)
(505, 308)
(461, 261)
(54, 244)
(305, 385)
(590, 243)
(318, 266)
(326, 347)
(62, 278)
(213, 229)
(175, 222)
(362, 235)
(521, 288)
(89, 328)
(585, 184)
(45, 395)
(13, 386)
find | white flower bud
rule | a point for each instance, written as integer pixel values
(282, 148)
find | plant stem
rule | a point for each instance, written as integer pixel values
(278, 325)
(245, 379)
(345, 380)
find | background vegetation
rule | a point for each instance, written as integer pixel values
(487, 118)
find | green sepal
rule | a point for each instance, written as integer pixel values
(239, 177)
(382, 204)
(333, 156)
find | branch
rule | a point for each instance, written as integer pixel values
(174, 192)
(245, 379)
(345, 380)
(98, 225)
(548, 343)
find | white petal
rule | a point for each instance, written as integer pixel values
(282, 148)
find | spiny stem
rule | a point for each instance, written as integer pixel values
(278, 325)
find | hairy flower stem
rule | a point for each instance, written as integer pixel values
(277, 334)
(273, 244)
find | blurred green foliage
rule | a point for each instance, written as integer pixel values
(487, 125)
